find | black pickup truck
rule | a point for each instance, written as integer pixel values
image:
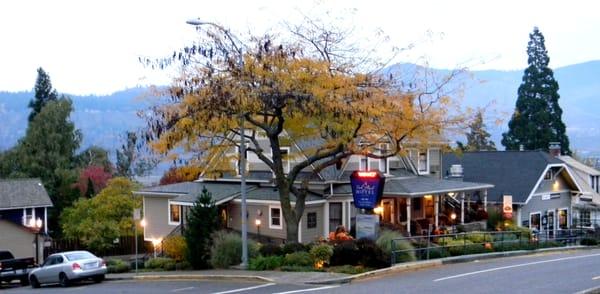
(12, 268)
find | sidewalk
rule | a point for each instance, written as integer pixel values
(232, 274)
(324, 277)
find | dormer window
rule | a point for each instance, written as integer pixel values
(423, 162)
(548, 176)
(384, 162)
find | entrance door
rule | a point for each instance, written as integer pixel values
(388, 211)
(551, 224)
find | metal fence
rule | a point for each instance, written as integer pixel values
(445, 245)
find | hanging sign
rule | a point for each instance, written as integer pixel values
(367, 188)
(507, 209)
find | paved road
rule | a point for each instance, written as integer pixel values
(565, 272)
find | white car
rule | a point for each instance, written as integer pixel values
(66, 267)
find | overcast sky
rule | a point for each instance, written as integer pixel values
(92, 46)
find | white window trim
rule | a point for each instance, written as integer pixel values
(569, 216)
(172, 223)
(425, 172)
(387, 159)
(540, 221)
(237, 162)
(316, 220)
(271, 226)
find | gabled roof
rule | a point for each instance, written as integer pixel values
(511, 172)
(19, 193)
(417, 186)
(574, 163)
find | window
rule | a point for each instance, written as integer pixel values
(238, 161)
(311, 220)
(384, 162)
(275, 218)
(174, 214)
(562, 219)
(423, 162)
(335, 215)
(285, 152)
(584, 218)
(534, 221)
(548, 175)
(364, 163)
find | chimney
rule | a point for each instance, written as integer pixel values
(554, 149)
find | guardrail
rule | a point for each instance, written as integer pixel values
(445, 245)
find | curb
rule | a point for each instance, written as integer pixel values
(243, 278)
(409, 266)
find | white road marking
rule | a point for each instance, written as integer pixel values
(182, 289)
(595, 278)
(513, 266)
(245, 289)
(308, 290)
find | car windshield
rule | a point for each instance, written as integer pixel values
(79, 255)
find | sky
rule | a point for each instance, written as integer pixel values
(93, 46)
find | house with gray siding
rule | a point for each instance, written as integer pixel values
(415, 199)
(547, 193)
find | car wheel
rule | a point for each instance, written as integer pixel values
(63, 280)
(34, 282)
(24, 281)
(98, 279)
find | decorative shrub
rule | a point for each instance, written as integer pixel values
(227, 249)
(294, 247)
(349, 269)
(385, 243)
(321, 254)
(270, 249)
(345, 253)
(478, 237)
(184, 265)
(370, 255)
(117, 266)
(164, 263)
(495, 219)
(175, 247)
(263, 263)
(589, 242)
(300, 258)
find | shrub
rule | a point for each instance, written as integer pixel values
(270, 249)
(321, 254)
(589, 242)
(478, 237)
(184, 265)
(495, 219)
(227, 249)
(263, 263)
(406, 249)
(160, 263)
(294, 247)
(117, 266)
(300, 258)
(345, 253)
(371, 255)
(348, 269)
(175, 247)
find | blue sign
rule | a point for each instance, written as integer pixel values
(367, 188)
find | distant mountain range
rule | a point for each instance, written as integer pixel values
(104, 119)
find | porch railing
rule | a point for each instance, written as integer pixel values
(446, 245)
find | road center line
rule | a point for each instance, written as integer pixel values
(245, 289)
(308, 290)
(513, 266)
(182, 289)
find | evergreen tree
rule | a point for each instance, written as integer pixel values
(43, 93)
(537, 119)
(202, 221)
(478, 139)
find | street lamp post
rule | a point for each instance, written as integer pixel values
(36, 225)
(143, 224)
(242, 167)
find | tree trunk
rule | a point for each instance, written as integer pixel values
(291, 229)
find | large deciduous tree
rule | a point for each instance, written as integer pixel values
(100, 220)
(537, 119)
(44, 93)
(308, 87)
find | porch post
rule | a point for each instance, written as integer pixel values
(462, 207)
(408, 208)
(485, 200)
(326, 220)
(436, 209)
